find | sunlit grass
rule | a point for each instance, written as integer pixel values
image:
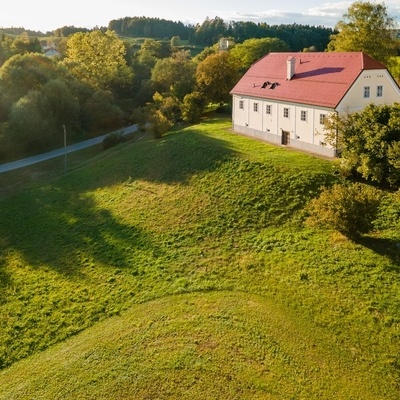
(201, 232)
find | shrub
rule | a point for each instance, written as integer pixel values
(159, 123)
(112, 139)
(348, 208)
(193, 107)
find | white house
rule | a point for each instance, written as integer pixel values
(52, 53)
(285, 97)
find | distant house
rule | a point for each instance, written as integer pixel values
(284, 98)
(49, 49)
(52, 53)
(225, 44)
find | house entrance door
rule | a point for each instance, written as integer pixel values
(285, 138)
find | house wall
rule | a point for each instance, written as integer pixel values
(255, 121)
(354, 100)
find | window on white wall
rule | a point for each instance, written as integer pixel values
(322, 118)
(286, 112)
(303, 115)
(241, 104)
(268, 109)
(255, 107)
(366, 92)
(379, 91)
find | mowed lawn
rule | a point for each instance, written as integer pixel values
(182, 268)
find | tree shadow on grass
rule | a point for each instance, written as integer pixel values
(61, 225)
(171, 159)
(68, 232)
(385, 247)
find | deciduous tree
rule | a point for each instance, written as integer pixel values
(369, 141)
(252, 50)
(175, 75)
(97, 58)
(366, 27)
(216, 76)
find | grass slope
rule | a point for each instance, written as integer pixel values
(186, 258)
(215, 345)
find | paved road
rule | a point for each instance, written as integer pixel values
(60, 152)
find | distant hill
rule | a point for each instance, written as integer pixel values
(13, 31)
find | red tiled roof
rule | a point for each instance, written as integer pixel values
(320, 79)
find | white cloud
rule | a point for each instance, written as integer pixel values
(335, 10)
(327, 14)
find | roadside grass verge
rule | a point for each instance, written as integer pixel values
(206, 214)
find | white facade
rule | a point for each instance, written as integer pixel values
(296, 125)
(355, 99)
(301, 126)
(285, 97)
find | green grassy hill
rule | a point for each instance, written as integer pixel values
(181, 268)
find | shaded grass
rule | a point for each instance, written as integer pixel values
(201, 210)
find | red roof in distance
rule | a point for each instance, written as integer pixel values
(320, 78)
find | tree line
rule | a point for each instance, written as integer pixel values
(207, 33)
(211, 30)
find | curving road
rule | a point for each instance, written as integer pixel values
(60, 152)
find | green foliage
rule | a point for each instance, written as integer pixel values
(154, 28)
(193, 107)
(63, 104)
(366, 27)
(97, 58)
(394, 67)
(29, 125)
(23, 73)
(252, 50)
(112, 139)
(369, 141)
(169, 106)
(216, 76)
(21, 44)
(155, 48)
(351, 209)
(389, 212)
(159, 123)
(101, 114)
(174, 75)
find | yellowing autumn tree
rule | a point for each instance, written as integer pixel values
(97, 58)
(366, 27)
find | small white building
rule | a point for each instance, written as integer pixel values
(52, 53)
(285, 97)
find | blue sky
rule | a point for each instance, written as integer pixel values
(46, 15)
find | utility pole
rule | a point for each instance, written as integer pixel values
(65, 149)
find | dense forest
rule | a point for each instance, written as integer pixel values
(204, 34)
(296, 36)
